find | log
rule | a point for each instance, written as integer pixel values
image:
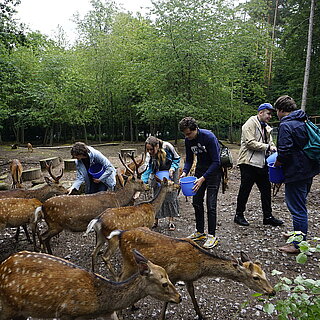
(31, 174)
(69, 164)
(55, 162)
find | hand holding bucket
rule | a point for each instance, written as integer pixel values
(187, 184)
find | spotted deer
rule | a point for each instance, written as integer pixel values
(39, 285)
(51, 188)
(74, 212)
(16, 173)
(16, 212)
(185, 261)
(140, 215)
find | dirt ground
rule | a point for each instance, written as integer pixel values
(218, 298)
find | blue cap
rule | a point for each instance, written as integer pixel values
(265, 106)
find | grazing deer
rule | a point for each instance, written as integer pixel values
(140, 215)
(38, 285)
(16, 173)
(185, 261)
(16, 212)
(29, 146)
(74, 212)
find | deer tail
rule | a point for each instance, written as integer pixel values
(113, 233)
(38, 214)
(91, 225)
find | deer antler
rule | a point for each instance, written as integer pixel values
(125, 165)
(49, 169)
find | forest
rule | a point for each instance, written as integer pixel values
(128, 75)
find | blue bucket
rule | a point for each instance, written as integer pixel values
(163, 174)
(272, 157)
(96, 170)
(275, 173)
(187, 184)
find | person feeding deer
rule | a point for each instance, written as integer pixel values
(162, 156)
(204, 144)
(93, 169)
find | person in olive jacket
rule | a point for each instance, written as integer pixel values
(298, 169)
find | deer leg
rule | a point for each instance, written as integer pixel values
(46, 237)
(24, 226)
(163, 311)
(112, 247)
(16, 236)
(100, 240)
(190, 289)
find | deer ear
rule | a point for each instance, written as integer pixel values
(157, 179)
(244, 257)
(142, 262)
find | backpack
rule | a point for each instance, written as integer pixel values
(225, 156)
(312, 148)
(226, 162)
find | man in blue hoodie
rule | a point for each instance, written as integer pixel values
(298, 169)
(204, 144)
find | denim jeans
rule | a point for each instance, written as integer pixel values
(97, 187)
(296, 198)
(249, 176)
(211, 184)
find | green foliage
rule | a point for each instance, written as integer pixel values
(302, 295)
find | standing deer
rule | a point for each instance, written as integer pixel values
(140, 215)
(16, 173)
(16, 212)
(42, 286)
(50, 189)
(29, 146)
(74, 212)
(185, 261)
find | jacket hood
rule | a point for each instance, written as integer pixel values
(295, 115)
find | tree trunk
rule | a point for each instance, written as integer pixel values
(51, 135)
(308, 58)
(85, 134)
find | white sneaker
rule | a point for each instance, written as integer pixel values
(211, 242)
(196, 236)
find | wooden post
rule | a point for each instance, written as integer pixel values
(69, 164)
(55, 162)
(31, 174)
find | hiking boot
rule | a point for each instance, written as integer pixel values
(241, 220)
(272, 221)
(211, 242)
(196, 236)
(289, 248)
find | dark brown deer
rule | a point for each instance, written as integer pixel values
(185, 261)
(74, 212)
(140, 215)
(16, 212)
(42, 286)
(16, 173)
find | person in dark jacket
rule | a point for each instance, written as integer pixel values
(298, 169)
(204, 144)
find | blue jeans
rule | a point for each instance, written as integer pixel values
(296, 198)
(211, 184)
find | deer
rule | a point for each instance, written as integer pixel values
(29, 146)
(16, 173)
(39, 285)
(186, 261)
(50, 189)
(140, 215)
(74, 212)
(123, 173)
(16, 212)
